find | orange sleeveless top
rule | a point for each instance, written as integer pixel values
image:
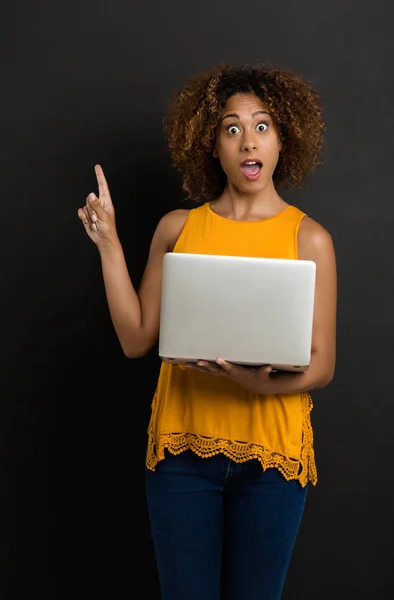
(209, 414)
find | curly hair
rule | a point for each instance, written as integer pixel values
(193, 115)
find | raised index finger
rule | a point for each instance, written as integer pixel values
(102, 182)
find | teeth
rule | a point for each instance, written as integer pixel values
(252, 163)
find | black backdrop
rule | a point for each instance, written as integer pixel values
(87, 82)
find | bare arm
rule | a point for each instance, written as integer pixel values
(315, 243)
(149, 292)
(135, 316)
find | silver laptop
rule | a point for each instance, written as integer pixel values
(249, 311)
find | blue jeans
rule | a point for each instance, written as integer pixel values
(222, 530)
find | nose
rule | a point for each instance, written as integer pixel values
(248, 142)
(248, 147)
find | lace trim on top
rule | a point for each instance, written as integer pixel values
(303, 470)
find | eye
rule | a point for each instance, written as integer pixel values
(232, 129)
(262, 126)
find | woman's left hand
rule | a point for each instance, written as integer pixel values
(255, 379)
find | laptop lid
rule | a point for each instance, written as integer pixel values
(247, 310)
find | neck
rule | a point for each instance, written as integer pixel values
(240, 206)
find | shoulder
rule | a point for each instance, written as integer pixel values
(174, 218)
(313, 239)
(170, 225)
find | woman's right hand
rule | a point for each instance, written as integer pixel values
(98, 214)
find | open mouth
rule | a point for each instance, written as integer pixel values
(251, 168)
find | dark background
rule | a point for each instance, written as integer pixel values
(88, 82)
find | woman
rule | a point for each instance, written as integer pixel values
(230, 448)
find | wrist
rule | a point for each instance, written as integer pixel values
(109, 245)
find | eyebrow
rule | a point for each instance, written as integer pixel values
(258, 112)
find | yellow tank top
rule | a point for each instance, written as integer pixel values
(209, 414)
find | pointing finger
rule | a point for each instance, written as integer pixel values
(102, 182)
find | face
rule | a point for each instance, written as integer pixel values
(247, 143)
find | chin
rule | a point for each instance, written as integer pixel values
(252, 187)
